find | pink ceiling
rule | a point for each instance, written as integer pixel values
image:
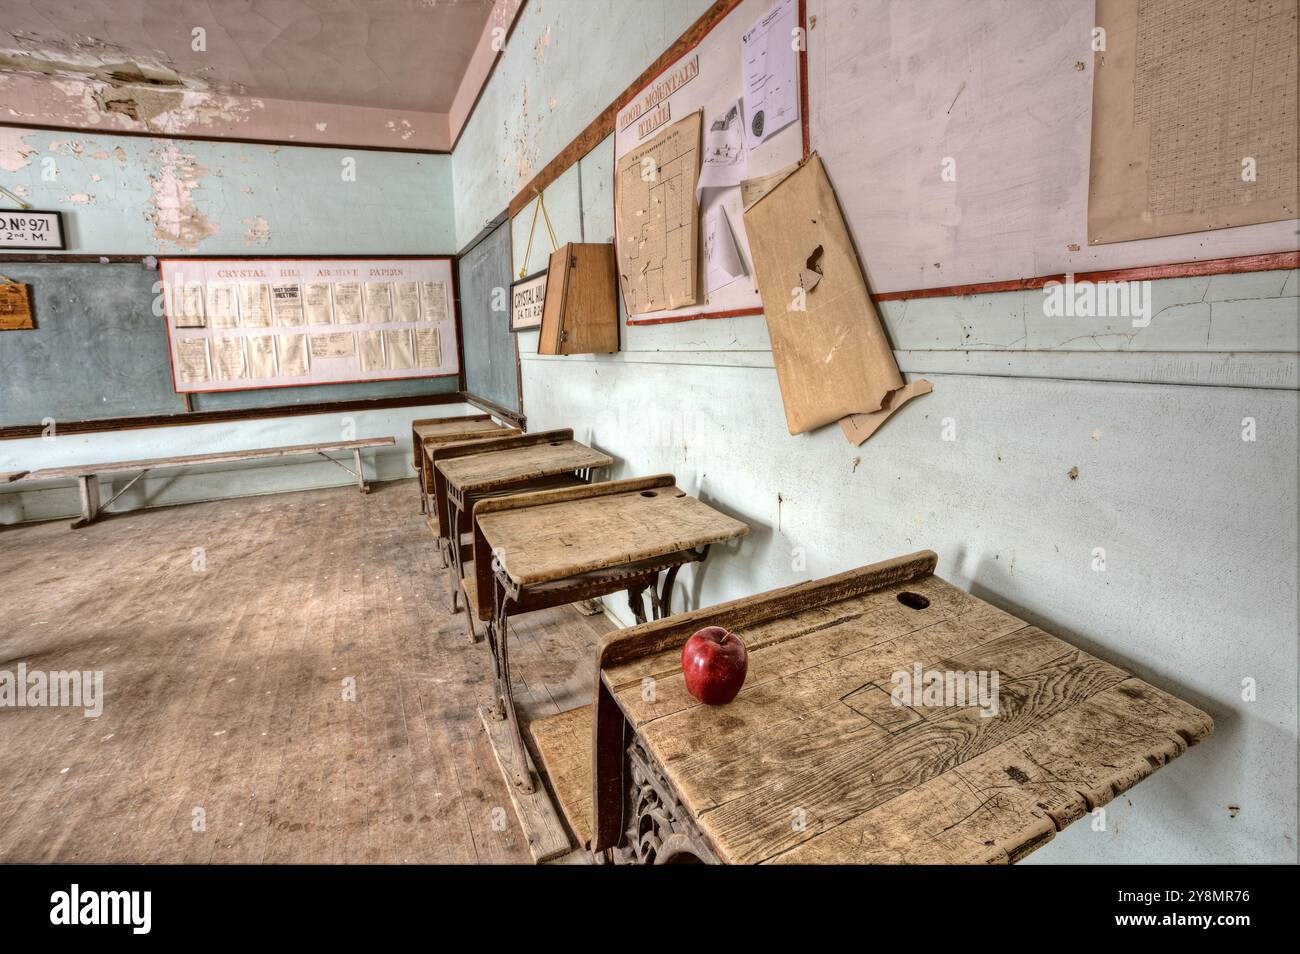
(389, 73)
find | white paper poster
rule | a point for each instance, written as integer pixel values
(434, 295)
(223, 306)
(286, 304)
(770, 73)
(261, 356)
(371, 345)
(723, 264)
(401, 353)
(320, 303)
(228, 358)
(335, 344)
(187, 306)
(723, 164)
(379, 303)
(293, 355)
(254, 305)
(292, 322)
(347, 303)
(406, 301)
(193, 360)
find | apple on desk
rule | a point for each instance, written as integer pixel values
(714, 663)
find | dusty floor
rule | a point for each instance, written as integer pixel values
(228, 634)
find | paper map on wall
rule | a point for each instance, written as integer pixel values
(1194, 117)
(658, 220)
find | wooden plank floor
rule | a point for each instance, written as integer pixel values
(223, 688)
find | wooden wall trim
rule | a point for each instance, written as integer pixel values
(17, 431)
(498, 410)
(1271, 261)
(603, 124)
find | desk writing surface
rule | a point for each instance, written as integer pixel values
(484, 472)
(814, 737)
(441, 432)
(556, 541)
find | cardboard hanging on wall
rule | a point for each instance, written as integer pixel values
(15, 307)
(833, 359)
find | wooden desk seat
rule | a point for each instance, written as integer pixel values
(813, 762)
(562, 744)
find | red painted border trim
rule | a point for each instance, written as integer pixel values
(674, 319)
(1270, 261)
(452, 261)
(802, 14)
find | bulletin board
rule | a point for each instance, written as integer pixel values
(708, 79)
(247, 323)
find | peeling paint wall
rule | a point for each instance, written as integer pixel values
(129, 194)
(564, 63)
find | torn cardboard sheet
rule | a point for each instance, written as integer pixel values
(832, 357)
(858, 427)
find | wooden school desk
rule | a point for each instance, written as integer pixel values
(813, 762)
(543, 549)
(432, 432)
(468, 472)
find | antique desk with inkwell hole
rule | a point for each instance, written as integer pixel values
(814, 763)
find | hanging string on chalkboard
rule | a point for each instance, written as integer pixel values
(541, 205)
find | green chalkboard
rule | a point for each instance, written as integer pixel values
(484, 280)
(98, 350)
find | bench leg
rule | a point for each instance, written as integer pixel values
(361, 474)
(88, 485)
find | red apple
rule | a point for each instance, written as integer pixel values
(714, 663)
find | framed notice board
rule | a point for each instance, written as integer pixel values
(236, 324)
(743, 84)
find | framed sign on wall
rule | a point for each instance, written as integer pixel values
(239, 324)
(32, 229)
(527, 296)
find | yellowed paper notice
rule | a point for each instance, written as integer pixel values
(192, 360)
(336, 344)
(371, 344)
(406, 301)
(658, 220)
(223, 306)
(401, 352)
(293, 355)
(434, 296)
(428, 348)
(228, 358)
(379, 303)
(286, 304)
(261, 356)
(254, 305)
(319, 302)
(1193, 117)
(187, 306)
(347, 303)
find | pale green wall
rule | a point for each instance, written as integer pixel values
(1199, 526)
(117, 191)
(566, 61)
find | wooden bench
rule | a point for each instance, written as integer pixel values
(819, 761)
(88, 474)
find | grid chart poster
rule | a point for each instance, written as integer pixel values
(241, 324)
